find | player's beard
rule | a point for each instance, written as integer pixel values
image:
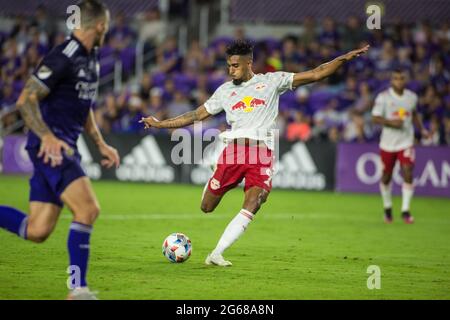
(99, 40)
(237, 82)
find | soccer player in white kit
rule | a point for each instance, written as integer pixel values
(250, 102)
(395, 110)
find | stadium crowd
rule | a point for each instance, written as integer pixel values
(336, 109)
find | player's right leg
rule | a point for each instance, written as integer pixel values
(388, 161)
(209, 200)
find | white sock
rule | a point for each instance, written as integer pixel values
(407, 194)
(386, 190)
(234, 230)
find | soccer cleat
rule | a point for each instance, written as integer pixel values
(218, 260)
(82, 293)
(388, 215)
(407, 217)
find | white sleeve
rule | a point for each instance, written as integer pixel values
(214, 104)
(283, 80)
(378, 108)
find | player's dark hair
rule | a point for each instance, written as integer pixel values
(240, 48)
(91, 10)
(398, 70)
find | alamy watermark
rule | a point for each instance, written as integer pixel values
(74, 279)
(73, 22)
(191, 148)
(374, 12)
(374, 280)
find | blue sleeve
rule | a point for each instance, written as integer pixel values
(52, 69)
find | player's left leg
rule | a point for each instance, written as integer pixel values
(406, 159)
(79, 196)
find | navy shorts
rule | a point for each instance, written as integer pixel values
(47, 183)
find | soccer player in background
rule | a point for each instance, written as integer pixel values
(395, 110)
(250, 102)
(56, 105)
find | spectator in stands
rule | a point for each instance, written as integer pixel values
(145, 86)
(121, 36)
(152, 32)
(437, 133)
(135, 111)
(110, 114)
(46, 26)
(217, 58)
(354, 127)
(349, 94)
(309, 32)
(169, 90)
(326, 118)
(299, 129)
(168, 57)
(353, 34)
(179, 105)
(7, 98)
(194, 61)
(302, 101)
(290, 57)
(156, 106)
(329, 34)
(364, 100)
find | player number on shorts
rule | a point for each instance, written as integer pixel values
(269, 174)
(409, 153)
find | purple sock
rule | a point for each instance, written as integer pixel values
(78, 246)
(14, 221)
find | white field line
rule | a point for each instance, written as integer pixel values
(195, 216)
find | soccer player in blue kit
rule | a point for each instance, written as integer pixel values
(56, 105)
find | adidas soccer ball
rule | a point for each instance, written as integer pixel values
(177, 247)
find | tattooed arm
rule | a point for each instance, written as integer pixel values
(184, 120)
(111, 155)
(326, 69)
(28, 105)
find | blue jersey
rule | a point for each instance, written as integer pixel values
(71, 75)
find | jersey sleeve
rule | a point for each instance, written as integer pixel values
(378, 108)
(52, 69)
(282, 80)
(214, 104)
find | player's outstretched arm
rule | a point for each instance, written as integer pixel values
(28, 105)
(111, 155)
(326, 69)
(184, 120)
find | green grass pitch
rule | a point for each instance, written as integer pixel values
(302, 245)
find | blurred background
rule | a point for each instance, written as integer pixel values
(164, 58)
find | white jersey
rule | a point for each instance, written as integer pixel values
(252, 107)
(390, 105)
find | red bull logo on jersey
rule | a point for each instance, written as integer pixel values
(401, 113)
(248, 103)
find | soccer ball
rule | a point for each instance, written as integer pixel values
(177, 247)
